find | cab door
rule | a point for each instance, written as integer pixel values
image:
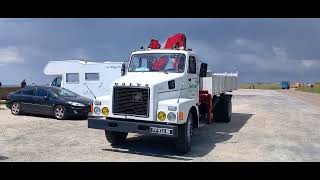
(192, 79)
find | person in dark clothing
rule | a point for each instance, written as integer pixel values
(0, 84)
(23, 83)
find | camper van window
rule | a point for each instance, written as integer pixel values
(72, 77)
(92, 76)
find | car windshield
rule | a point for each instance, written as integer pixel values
(156, 62)
(61, 92)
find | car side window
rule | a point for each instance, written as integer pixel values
(18, 92)
(29, 91)
(41, 92)
(192, 65)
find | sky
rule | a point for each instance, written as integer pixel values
(262, 50)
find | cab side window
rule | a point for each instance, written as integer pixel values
(192, 69)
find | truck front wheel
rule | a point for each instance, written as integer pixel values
(183, 144)
(115, 138)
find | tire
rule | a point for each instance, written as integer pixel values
(223, 110)
(59, 112)
(15, 108)
(116, 138)
(183, 144)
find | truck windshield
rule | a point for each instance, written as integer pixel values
(156, 62)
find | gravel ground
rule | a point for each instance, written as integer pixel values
(267, 125)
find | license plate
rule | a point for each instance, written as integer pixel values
(161, 131)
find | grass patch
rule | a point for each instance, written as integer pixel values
(4, 91)
(260, 86)
(315, 89)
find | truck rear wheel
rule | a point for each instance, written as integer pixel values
(116, 138)
(183, 144)
(223, 110)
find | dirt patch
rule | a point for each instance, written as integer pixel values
(310, 98)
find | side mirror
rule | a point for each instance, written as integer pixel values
(203, 69)
(45, 97)
(123, 69)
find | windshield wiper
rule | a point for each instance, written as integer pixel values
(175, 70)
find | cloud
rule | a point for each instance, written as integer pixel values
(252, 57)
(310, 63)
(10, 55)
(78, 53)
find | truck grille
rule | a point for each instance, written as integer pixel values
(131, 101)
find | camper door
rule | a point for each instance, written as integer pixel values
(72, 82)
(92, 83)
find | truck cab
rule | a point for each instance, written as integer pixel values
(160, 94)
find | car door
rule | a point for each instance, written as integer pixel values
(42, 101)
(26, 99)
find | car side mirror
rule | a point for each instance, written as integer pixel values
(45, 97)
(203, 69)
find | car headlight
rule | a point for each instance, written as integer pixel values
(105, 111)
(97, 110)
(171, 116)
(75, 104)
(161, 116)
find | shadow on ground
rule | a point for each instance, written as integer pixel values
(3, 158)
(203, 142)
(51, 117)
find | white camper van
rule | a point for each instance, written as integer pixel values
(88, 79)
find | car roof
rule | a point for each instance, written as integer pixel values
(45, 87)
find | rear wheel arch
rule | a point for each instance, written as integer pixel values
(13, 102)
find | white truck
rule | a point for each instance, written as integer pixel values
(165, 92)
(88, 79)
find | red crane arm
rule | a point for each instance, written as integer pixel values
(178, 39)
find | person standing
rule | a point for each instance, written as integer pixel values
(23, 83)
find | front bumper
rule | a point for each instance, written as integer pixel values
(78, 111)
(131, 126)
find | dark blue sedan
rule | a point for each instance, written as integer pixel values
(48, 100)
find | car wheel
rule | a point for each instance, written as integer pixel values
(15, 108)
(59, 112)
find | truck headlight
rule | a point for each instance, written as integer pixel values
(97, 110)
(105, 111)
(161, 116)
(172, 116)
